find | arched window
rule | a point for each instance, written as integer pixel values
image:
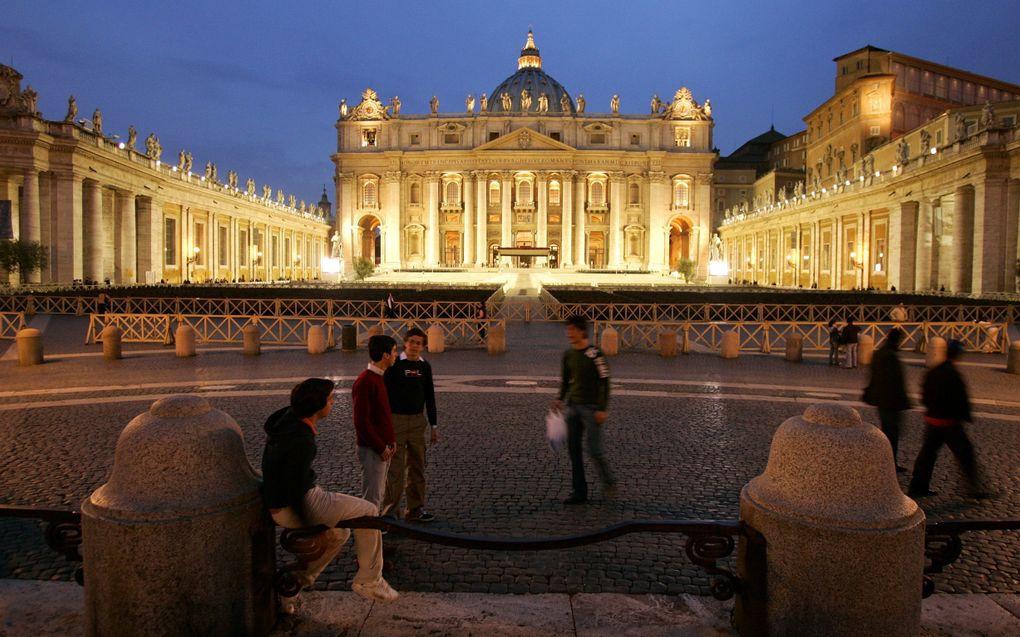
(452, 193)
(493, 193)
(681, 195)
(524, 192)
(598, 193)
(635, 194)
(554, 193)
(416, 193)
(369, 196)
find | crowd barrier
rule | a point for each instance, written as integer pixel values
(10, 324)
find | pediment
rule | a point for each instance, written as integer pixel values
(524, 139)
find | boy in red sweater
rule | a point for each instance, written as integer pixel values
(372, 421)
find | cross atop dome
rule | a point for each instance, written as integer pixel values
(530, 58)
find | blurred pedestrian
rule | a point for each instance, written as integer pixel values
(848, 338)
(833, 343)
(947, 406)
(887, 390)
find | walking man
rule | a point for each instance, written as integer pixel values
(833, 343)
(294, 500)
(849, 338)
(412, 396)
(887, 390)
(947, 406)
(372, 422)
(585, 390)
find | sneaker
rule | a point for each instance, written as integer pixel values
(921, 494)
(573, 498)
(289, 605)
(379, 590)
(419, 515)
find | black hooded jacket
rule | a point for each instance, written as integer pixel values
(287, 461)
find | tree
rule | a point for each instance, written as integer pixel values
(23, 257)
(686, 268)
(363, 268)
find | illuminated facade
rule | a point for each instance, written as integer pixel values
(524, 176)
(104, 210)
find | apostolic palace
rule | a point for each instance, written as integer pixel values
(908, 176)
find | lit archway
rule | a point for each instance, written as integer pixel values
(679, 241)
(370, 239)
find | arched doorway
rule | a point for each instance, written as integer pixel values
(596, 250)
(679, 241)
(371, 239)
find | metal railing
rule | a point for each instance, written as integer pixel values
(10, 324)
(763, 336)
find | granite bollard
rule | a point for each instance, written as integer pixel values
(845, 546)
(865, 349)
(1013, 358)
(111, 343)
(795, 348)
(316, 340)
(30, 347)
(177, 541)
(729, 346)
(609, 342)
(184, 341)
(252, 336)
(495, 339)
(667, 343)
(935, 353)
(436, 339)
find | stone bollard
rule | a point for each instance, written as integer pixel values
(844, 546)
(184, 341)
(349, 338)
(1013, 358)
(375, 330)
(865, 349)
(936, 352)
(609, 342)
(795, 348)
(436, 339)
(252, 336)
(177, 541)
(316, 340)
(667, 344)
(730, 345)
(30, 347)
(111, 343)
(495, 339)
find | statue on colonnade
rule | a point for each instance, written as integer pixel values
(614, 104)
(132, 137)
(97, 122)
(580, 103)
(72, 109)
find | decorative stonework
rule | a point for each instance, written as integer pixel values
(684, 107)
(369, 109)
(14, 101)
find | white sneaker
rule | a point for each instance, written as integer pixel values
(289, 605)
(378, 590)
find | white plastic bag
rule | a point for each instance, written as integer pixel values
(555, 429)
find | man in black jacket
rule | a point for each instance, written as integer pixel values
(296, 501)
(947, 406)
(887, 390)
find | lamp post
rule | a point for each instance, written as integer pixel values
(192, 259)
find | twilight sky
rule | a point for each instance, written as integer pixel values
(254, 86)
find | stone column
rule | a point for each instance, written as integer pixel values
(1012, 221)
(922, 272)
(615, 247)
(567, 219)
(506, 216)
(580, 224)
(125, 261)
(658, 223)
(29, 217)
(845, 546)
(390, 239)
(467, 243)
(177, 541)
(542, 227)
(963, 239)
(149, 237)
(866, 256)
(903, 259)
(432, 249)
(345, 218)
(481, 219)
(93, 230)
(990, 265)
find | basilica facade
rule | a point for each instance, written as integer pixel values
(525, 176)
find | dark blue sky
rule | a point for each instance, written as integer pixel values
(254, 86)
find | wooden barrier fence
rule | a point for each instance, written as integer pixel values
(10, 324)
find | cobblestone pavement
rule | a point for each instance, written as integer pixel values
(685, 435)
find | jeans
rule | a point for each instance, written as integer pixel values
(581, 418)
(851, 354)
(373, 475)
(890, 420)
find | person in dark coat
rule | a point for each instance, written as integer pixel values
(833, 343)
(848, 338)
(947, 406)
(887, 390)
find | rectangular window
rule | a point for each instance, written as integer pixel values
(493, 135)
(170, 241)
(416, 139)
(451, 138)
(682, 137)
(368, 137)
(223, 247)
(558, 136)
(635, 140)
(288, 255)
(875, 131)
(598, 138)
(275, 252)
(200, 244)
(242, 247)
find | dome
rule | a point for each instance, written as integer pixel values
(531, 78)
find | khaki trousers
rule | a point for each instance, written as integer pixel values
(324, 507)
(407, 466)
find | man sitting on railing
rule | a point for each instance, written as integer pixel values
(295, 501)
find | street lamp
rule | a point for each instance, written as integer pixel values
(191, 260)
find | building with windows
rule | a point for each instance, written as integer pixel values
(912, 181)
(105, 210)
(525, 176)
